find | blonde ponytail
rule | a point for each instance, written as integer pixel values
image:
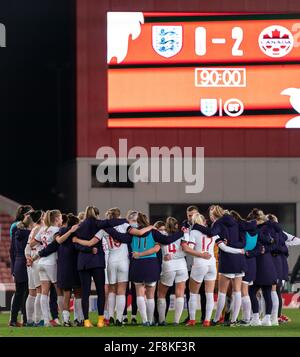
(50, 216)
(171, 225)
(218, 211)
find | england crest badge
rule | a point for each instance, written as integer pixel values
(167, 40)
(208, 106)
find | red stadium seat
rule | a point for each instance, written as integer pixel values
(5, 241)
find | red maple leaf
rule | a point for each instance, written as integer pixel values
(275, 34)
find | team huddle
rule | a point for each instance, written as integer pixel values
(54, 257)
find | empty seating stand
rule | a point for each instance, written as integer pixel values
(5, 274)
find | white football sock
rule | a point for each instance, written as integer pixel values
(106, 314)
(111, 304)
(37, 308)
(60, 303)
(78, 314)
(30, 308)
(45, 308)
(120, 306)
(275, 306)
(141, 304)
(66, 315)
(150, 306)
(161, 307)
(220, 306)
(262, 305)
(209, 305)
(237, 300)
(11, 304)
(193, 306)
(246, 308)
(75, 309)
(178, 309)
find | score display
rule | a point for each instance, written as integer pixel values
(189, 70)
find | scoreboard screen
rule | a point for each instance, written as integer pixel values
(203, 70)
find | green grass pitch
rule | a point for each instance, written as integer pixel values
(291, 329)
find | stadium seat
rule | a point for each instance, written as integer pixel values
(5, 241)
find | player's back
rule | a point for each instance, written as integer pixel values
(203, 243)
(177, 257)
(117, 251)
(174, 249)
(46, 236)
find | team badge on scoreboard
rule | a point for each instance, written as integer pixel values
(208, 106)
(167, 40)
(233, 107)
(276, 41)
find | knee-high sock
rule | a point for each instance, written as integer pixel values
(45, 308)
(66, 315)
(246, 308)
(161, 307)
(220, 306)
(150, 306)
(111, 304)
(106, 314)
(11, 304)
(30, 308)
(193, 305)
(60, 303)
(262, 304)
(78, 314)
(237, 300)
(75, 309)
(141, 304)
(178, 309)
(120, 306)
(209, 305)
(37, 308)
(275, 306)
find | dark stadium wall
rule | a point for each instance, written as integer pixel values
(92, 131)
(37, 101)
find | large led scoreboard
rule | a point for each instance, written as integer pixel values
(209, 70)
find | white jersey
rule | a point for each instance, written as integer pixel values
(201, 243)
(105, 250)
(189, 259)
(117, 251)
(291, 240)
(46, 236)
(177, 261)
(34, 232)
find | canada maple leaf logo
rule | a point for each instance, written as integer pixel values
(275, 34)
(276, 41)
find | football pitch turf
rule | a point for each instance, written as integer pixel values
(291, 329)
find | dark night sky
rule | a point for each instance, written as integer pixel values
(37, 98)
